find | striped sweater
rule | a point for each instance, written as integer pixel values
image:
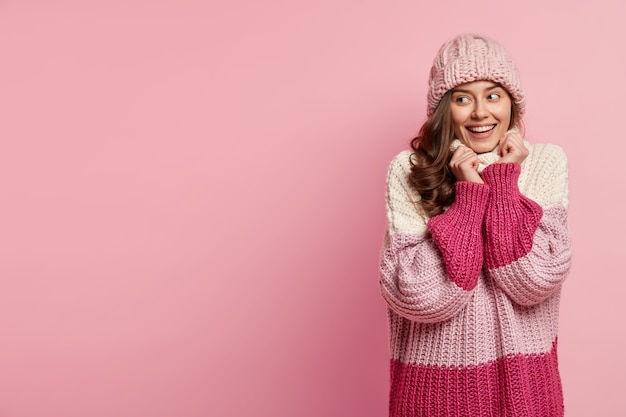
(473, 293)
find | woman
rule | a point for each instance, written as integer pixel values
(477, 249)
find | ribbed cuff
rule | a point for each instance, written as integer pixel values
(458, 233)
(467, 210)
(511, 218)
(502, 177)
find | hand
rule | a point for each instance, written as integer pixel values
(464, 165)
(511, 147)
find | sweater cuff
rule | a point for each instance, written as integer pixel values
(511, 218)
(502, 177)
(470, 199)
(467, 209)
(458, 233)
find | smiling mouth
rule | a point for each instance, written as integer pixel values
(480, 129)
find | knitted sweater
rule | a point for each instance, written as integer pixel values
(473, 293)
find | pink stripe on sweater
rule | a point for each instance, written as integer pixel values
(414, 282)
(517, 385)
(540, 273)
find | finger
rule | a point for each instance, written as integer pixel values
(460, 153)
(469, 161)
(461, 157)
(514, 138)
(503, 146)
(510, 142)
(515, 144)
(463, 164)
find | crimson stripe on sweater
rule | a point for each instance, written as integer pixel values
(516, 385)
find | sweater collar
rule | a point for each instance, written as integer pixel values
(485, 159)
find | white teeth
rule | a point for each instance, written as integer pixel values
(481, 129)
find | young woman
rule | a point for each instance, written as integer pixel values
(477, 249)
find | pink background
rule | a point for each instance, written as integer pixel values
(193, 197)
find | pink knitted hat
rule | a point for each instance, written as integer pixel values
(468, 58)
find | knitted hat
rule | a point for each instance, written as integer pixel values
(468, 58)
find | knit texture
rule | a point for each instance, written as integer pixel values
(458, 233)
(473, 293)
(468, 58)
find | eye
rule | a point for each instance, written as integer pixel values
(493, 96)
(462, 99)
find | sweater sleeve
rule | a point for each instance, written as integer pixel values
(428, 269)
(527, 245)
(458, 233)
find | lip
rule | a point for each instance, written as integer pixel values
(481, 135)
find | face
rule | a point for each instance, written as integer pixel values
(481, 114)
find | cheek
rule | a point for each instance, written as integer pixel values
(506, 119)
(458, 129)
(458, 119)
(504, 115)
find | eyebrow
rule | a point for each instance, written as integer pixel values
(460, 90)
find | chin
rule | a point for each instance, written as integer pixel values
(482, 147)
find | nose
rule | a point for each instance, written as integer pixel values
(480, 110)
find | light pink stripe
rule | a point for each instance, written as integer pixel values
(414, 281)
(540, 273)
(517, 385)
(490, 327)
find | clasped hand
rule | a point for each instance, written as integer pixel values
(464, 163)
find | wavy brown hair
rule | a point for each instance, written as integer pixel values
(430, 173)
